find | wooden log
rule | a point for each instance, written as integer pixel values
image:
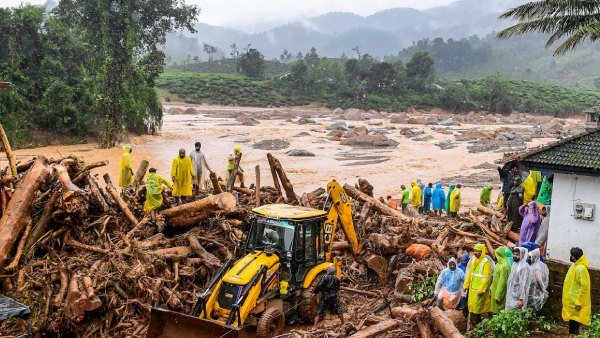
(382, 208)
(9, 153)
(75, 301)
(257, 186)
(15, 262)
(507, 229)
(23, 167)
(96, 194)
(424, 328)
(140, 173)
(489, 212)
(276, 183)
(245, 191)
(376, 329)
(513, 236)
(233, 175)
(18, 209)
(68, 187)
(122, 205)
(340, 245)
(404, 312)
(7, 180)
(75, 244)
(285, 182)
(191, 213)
(493, 236)
(215, 183)
(208, 259)
(64, 282)
(93, 302)
(443, 324)
(361, 292)
(40, 227)
(175, 253)
(87, 169)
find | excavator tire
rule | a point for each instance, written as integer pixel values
(271, 323)
(307, 302)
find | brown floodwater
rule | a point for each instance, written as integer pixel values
(219, 134)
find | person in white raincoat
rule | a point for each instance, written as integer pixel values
(517, 293)
(538, 294)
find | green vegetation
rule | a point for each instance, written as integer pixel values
(510, 324)
(594, 330)
(423, 290)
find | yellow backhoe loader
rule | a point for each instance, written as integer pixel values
(287, 250)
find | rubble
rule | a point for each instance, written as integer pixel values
(271, 145)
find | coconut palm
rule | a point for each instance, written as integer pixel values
(575, 21)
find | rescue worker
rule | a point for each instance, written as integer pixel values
(328, 288)
(501, 273)
(455, 201)
(576, 297)
(486, 195)
(509, 256)
(182, 174)
(538, 294)
(415, 196)
(542, 234)
(382, 200)
(531, 222)
(477, 284)
(405, 198)
(126, 167)
(198, 164)
(231, 165)
(517, 293)
(427, 195)
(447, 206)
(448, 286)
(530, 186)
(154, 188)
(545, 195)
(463, 260)
(421, 186)
(515, 201)
(392, 203)
(508, 177)
(438, 200)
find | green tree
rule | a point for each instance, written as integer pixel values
(420, 71)
(210, 50)
(124, 40)
(299, 74)
(252, 64)
(569, 21)
(497, 95)
(381, 78)
(455, 97)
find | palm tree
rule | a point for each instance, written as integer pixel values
(572, 20)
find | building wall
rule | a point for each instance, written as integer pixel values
(566, 231)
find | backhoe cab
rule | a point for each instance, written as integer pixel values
(287, 249)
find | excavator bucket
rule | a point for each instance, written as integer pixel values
(377, 264)
(168, 324)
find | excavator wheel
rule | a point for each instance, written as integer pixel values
(307, 302)
(271, 323)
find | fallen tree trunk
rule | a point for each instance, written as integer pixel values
(245, 191)
(68, 187)
(9, 153)
(513, 236)
(19, 208)
(404, 312)
(443, 324)
(122, 205)
(140, 173)
(42, 224)
(382, 208)
(489, 212)
(191, 213)
(274, 174)
(424, 328)
(376, 329)
(208, 259)
(86, 170)
(96, 193)
(285, 182)
(215, 183)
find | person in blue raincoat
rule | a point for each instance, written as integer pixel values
(463, 260)
(448, 289)
(438, 199)
(427, 195)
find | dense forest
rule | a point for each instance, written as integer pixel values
(87, 67)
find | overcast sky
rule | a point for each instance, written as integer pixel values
(256, 15)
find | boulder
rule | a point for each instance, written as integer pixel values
(175, 111)
(422, 138)
(552, 127)
(400, 118)
(299, 152)
(246, 120)
(509, 136)
(354, 115)
(417, 120)
(448, 122)
(338, 111)
(306, 120)
(190, 111)
(375, 123)
(340, 125)
(362, 130)
(370, 141)
(336, 133)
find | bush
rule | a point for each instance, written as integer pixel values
(423, 290)
(509, 324)
(594, 330)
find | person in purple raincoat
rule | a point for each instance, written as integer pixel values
(531, 222)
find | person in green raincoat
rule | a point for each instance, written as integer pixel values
(576, 297)
(126, 167)
(545, 195)
(447, 208)
(477, 284)
(499, 282)
(509, 256)
(154, 188)
(486, 195)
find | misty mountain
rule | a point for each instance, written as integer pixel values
(380, 34)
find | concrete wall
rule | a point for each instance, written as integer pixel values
(565, 230)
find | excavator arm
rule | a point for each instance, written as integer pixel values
(340, 212)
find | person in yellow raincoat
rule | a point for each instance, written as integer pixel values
(455, 201)
(530, 186)
(154, 188)
(415, 196)
(182, 173)
(576, 297)
(477, 284)
(126, 166)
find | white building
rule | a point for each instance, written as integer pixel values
(575, 214)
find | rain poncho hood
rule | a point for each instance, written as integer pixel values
(577, 291)
(416, 194)
(509, 256)
(182, 171)
(539, 284)
(455, 200)
(531, 222)
(545, 195)
(154, 198)
(478, 279)
(125, 166)
(439, 197)
(542, 235)
(449, 285)
(519, 282)
(501, 273)
(462, 266)
(486, 195)
(450, 189)
(530, 185)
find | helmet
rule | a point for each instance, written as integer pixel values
(238, 149)
(331, 269)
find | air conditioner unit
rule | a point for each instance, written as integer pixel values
(584, 211)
